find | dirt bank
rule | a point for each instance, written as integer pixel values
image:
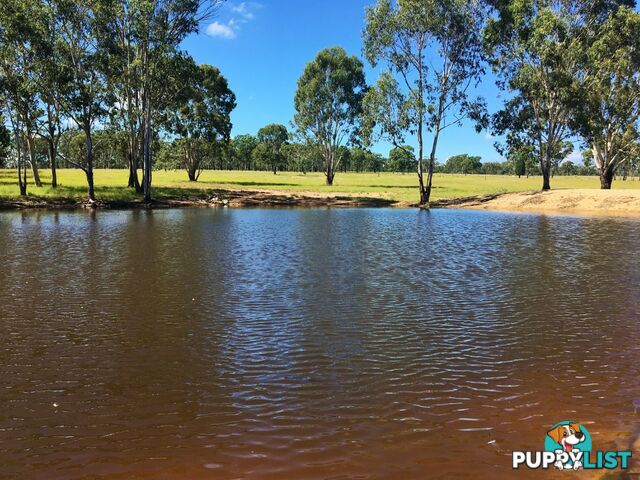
(604, 202)
(211, 198)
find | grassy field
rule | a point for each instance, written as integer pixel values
(392, 186)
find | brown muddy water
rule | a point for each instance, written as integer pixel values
(304, 344)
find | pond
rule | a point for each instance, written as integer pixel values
(289, 344)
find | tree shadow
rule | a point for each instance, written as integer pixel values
(250, 184)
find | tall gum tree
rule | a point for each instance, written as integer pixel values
(269, 151)
(160, 27)
(22, 28)
(607, 109)
(52, 126)
(82, 83)
(328, 103)
(201, 117)
(536, 48)
(143, 39)
(434, 57)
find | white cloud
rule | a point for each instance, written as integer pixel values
(488, 136)
(244, 11)
(241, 13)
(217, 29)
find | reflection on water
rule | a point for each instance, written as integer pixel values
(310, 343)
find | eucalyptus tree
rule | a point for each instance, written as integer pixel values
(21, 31)
(537, 48)
(402, 159)
(122, 34)
(328, 103)
(302, 156)
(142, 38)
(434, 57)
(81, 82)
(159, 28)
(201, 117)
(20, 37)
(242, 147)
(48, 79)
(269, 151)
(607, 112)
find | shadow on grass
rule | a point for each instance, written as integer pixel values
(400, 186)
(247, 184)
(75, 196)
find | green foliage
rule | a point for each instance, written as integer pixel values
(362, 160)
(402, 159)
(303, 157)
(275, 135)
(201, 115)
(202, 109)
(495, 168)
(563, 64)
(607, 107)
(433, 54)
(328, 103)
(463, 164)
(268, 153)
(241, 151)
(519, 165)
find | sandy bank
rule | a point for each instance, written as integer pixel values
(599, 202)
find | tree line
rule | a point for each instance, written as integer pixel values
(106, 66)
(107, 78)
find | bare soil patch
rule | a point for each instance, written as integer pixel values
(580, 201)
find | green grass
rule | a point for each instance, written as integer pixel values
(110, 184)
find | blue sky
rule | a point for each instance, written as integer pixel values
(262, 49)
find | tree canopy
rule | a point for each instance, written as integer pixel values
(433, 53)
(328, 103)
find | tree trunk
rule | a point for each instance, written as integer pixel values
(545, 169)
(146, 153)
(89, 162)
(22, 177)
(606, 179)
(53, 138)
(134, 157)
(53, 153)
(546, 185)
(134, 181)
(32, 158)
(330, 178)
(22, 171)
(425, 192)
(329, 169)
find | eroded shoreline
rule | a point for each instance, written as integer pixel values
(570, 201)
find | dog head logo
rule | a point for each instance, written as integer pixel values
(569, 440)
(568, 436)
